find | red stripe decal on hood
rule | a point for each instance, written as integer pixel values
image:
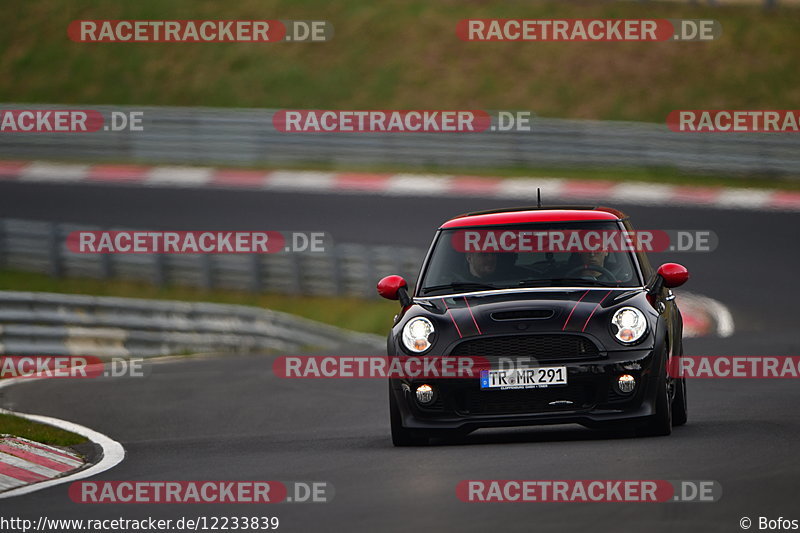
(593, 310)
(573, 310)
(473, 317)
(460, 336)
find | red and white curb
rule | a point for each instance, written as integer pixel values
(704, 316)
(27, 467)
(23, 461)
(404, 185)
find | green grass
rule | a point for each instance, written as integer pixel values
(405, 54)
(20, 427)
(370, 316)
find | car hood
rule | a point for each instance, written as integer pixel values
(585, 311)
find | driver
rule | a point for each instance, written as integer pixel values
(595, 258)
(482, 265)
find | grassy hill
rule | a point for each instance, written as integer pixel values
(404, 54)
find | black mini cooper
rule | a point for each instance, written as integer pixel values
(576, 326)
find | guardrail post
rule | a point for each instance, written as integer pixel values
(159, 270)
(338, 276)
(106, 266)
(3, 246)
(255, 273)
(297, 273)
(54, 248)
(369, 265)
(207, 271)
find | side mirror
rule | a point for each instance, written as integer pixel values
(673, 274)
(394, 288)
(669, 275)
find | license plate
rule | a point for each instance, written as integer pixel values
(524, 378)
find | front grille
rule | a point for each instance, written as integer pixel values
(518, 401)
(538, 347)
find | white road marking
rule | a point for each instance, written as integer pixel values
(745, 198)
(642, 193)
(526, 188)
(419, 185)
(58, 172)
(300, 180)
(179, 176)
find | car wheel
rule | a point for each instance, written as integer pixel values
(659, 424)
(680, 408)
(402, 436)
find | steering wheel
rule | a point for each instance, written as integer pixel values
(605, 273)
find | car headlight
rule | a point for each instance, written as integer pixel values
(628, 325)
(417, 334)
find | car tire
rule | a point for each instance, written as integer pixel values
(402, 436)
(680, 409)
(659, 424)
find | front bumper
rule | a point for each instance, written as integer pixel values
(590, 397)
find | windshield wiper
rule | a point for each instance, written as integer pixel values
(555, 281)
(459, 285)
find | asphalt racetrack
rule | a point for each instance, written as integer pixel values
(230, 418)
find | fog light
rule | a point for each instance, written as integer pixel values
(626, 383)
(424, 394)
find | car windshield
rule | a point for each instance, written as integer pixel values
(552, 254)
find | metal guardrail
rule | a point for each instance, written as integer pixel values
(214, 136)
(342, 270)
(62, 324)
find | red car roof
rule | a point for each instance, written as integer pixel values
(533, 215)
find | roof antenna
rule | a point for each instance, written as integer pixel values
(539, 197)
